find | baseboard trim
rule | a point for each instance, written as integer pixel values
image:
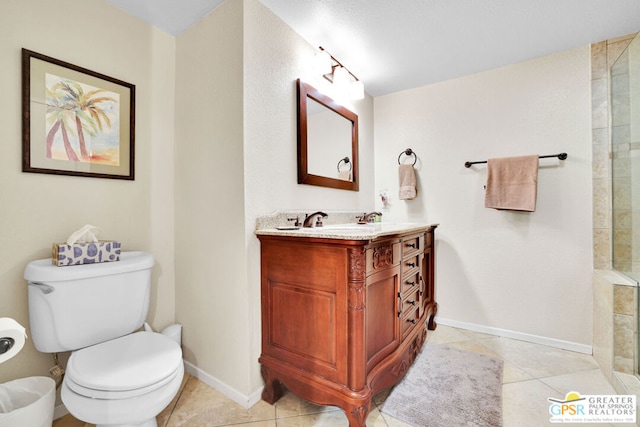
(241, 399)
(536, 339)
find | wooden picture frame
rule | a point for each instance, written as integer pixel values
(76, 121)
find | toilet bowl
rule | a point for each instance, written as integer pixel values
(126, 381)
(114, 376)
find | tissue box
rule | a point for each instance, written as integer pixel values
(85, 253)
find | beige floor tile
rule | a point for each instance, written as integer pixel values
(163, 417)
(532, 373)
(446, 334)
(540, 361)
(631, 382)
(394, 422)
(269, 423)
(291, 405)
(512, 373)
(375, 418)
(476, 335)
(330, 419)
(200, 405)
(69, 421)
(525, 404)
(379, 398)
(584, 382)
(474, 347)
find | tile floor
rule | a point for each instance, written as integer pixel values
(532, 373)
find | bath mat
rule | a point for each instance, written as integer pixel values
(449, 387)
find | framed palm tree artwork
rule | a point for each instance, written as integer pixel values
(75, 121)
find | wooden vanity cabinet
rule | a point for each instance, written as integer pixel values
(344, 319)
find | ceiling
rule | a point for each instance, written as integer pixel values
(402, 44)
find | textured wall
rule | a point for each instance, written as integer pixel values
(275, 56)
(236, 161)
(36, 209)
(211, 295)
(523, 272)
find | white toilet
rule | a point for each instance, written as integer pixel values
(114, 377)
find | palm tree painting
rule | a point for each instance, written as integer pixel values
(82, 122)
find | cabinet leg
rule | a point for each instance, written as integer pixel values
(357, 415)
(432, 319)
(273, 390)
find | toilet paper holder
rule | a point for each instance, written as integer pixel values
(5, 344)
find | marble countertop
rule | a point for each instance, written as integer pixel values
(346, 231)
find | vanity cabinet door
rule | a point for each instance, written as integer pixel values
(382, 329)
(427, 276)
(303, 306)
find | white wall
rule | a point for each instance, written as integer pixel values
(275, 56)
(235, 161)
(210, 284)
(37, 210)
(524, 272)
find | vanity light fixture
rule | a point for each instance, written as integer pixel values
(339, 75)
(322, 63)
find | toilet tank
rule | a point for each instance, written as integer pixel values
(77, 306)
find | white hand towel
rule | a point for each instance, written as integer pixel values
(344, 175)
(407, 178)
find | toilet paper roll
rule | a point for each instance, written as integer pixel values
(12, 336)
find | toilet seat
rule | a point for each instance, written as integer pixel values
(123, 368)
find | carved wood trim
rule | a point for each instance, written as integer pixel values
(382, 256)
(357, 298)
(357, 264)
(400, 369)
(359, 415)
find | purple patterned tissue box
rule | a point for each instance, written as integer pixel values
(85, 253)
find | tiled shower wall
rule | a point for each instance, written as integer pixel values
(625, 145)
(615, 297)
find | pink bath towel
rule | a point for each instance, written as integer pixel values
(512, 183)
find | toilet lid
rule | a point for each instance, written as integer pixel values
(133, 364)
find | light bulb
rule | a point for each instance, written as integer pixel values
(322, 63)
(341, 79)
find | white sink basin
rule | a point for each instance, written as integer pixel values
(341, 229)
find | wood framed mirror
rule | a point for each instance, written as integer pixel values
(327, 141)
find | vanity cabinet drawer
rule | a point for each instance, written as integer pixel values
(412, 300)
(382, 256)
(412, 244)
(411, 262)
(409, 281)
(409, 321)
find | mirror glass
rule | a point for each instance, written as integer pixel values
(327, 141)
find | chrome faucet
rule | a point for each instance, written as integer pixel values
(317, 217)
(368, 217)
